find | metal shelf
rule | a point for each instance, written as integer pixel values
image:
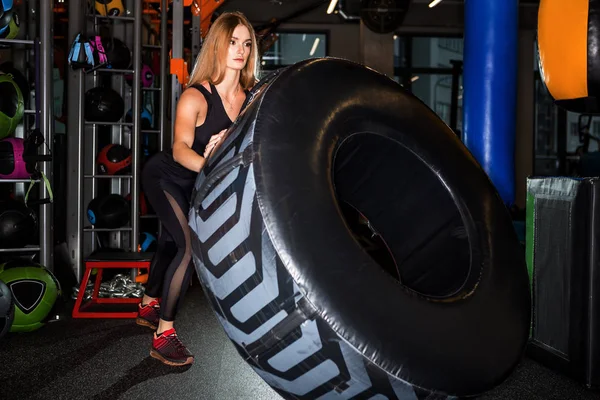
(109, 123)
(88, 229)
(18, 180)
(108, 176)
(117, 18)
(115, 70)
(16, 41)
(20, 250)
(83, 181)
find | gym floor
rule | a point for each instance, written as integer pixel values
(109, 359)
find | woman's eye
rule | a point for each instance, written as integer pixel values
(248, 44)
(232, 42)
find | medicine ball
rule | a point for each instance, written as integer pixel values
(114, 159)
(7, 309)
(34, 290)
(11, 105)
(108, 211)
(117, 53)
(111, 8)
(12, 165)
(5, 5)
(146, 77)
(9, 68)
(569, 61)
(147, 242)
(12, 29)
(103, 105)
(18, 224)
(143, 208)
(146, 118)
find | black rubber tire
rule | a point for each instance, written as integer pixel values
(300, 298)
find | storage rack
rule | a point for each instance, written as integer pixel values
(82, 150)
(41, 43)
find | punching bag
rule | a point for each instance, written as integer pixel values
(569, 45)
(490, 89)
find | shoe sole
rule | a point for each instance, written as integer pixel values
(158, 356)
(143, 322)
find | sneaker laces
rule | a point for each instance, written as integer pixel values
(174, 339)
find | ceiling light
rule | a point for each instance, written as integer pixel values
(414, 78)
(331, 7)
(434, 3)
(314, 48)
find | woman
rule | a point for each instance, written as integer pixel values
(218, 86)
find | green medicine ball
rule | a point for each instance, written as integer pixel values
(11, 105)
(35, 291)
(13, 26)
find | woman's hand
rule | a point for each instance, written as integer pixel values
(214, 142)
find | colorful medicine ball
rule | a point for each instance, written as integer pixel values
(146, 118)
(9, 25)
(34, 290)
(111, 8)
(11, 105)
(103, 105)
(110, 211)
(114, 159)
(7, 309)
(146, 77)
(147, 242)
(143, 208)
(18, 224)
(569, 61)
(12, 165)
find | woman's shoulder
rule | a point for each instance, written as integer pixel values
(194, 96)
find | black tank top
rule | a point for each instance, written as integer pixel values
(163, 166)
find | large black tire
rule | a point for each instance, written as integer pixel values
(309, 307)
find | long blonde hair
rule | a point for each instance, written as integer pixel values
(211, 62)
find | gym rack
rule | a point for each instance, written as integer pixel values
(82, 143)
(40, 28)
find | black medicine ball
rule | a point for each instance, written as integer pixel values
(17, 224)
(117, 53)
(103, 105)
(109, 211)
(8, 68)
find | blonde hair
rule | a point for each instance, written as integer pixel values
(211, 62)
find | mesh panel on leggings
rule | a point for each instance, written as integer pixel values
(182, 271)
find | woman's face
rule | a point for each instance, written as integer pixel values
(240, 46)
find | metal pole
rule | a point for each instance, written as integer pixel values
(47, 128)
(164, 75)
(196, 37)
(177, 52)
(135, 137)
(75, 166)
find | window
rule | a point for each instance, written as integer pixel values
(424, 65)
(291, 47)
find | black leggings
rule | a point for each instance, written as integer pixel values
(171, 268)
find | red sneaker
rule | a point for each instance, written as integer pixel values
(149, 314)
(167, 348)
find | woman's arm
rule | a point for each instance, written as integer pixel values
(191, 108)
